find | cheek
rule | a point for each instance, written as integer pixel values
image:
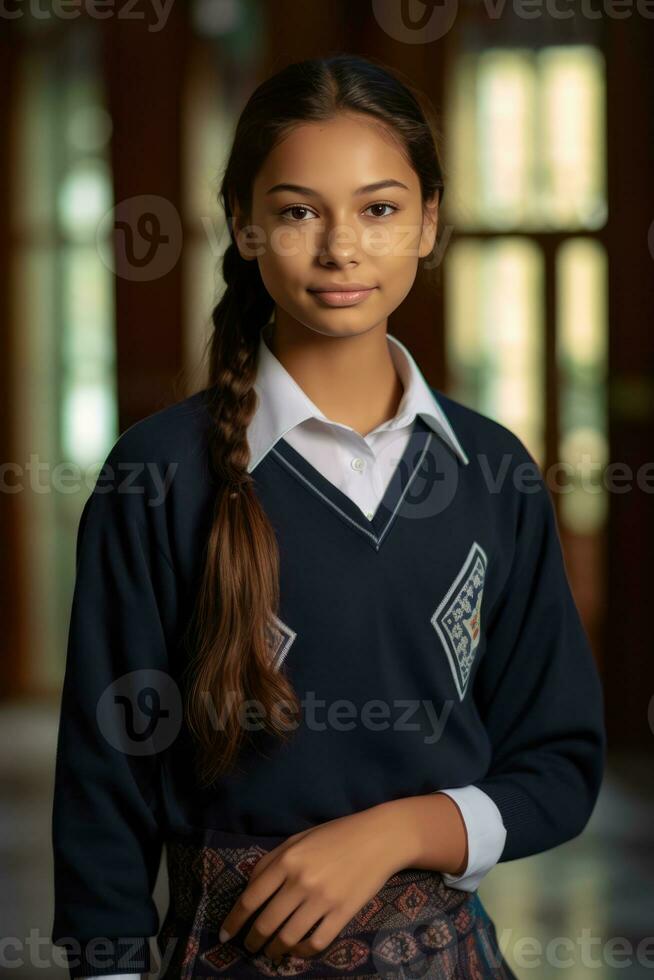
(406, 241)
(283, 273)
(292, 245)
(395, 247)
(287, 255)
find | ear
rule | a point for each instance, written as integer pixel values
(429, 226)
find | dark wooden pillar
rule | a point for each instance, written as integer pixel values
(144, 72)
(13, 661)
(629, 660)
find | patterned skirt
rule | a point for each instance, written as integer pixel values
(414, 927)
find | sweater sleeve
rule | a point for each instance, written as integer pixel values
(537, 688)
(106, 834)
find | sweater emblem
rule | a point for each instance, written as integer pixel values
(280, 639)
(457, 620)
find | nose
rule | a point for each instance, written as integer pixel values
(341, 247)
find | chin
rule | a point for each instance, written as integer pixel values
(345, 327)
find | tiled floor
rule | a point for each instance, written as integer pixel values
(579, 911)
(583, 909)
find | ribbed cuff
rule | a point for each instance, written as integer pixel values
(103, 957)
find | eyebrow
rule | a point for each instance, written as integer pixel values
(309, 192)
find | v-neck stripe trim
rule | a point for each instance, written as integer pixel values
(324, 496)
(376, 539)
(404, 492)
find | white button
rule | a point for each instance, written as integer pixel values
(369, 515)
(358, 463)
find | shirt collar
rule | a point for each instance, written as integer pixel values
(282, 404)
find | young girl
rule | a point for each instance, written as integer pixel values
(322, 642)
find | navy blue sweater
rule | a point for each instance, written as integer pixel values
(437, 645)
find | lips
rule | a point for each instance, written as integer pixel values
(348, 295)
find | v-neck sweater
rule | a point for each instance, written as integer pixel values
(437, 644)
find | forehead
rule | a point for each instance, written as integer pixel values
(336, 156)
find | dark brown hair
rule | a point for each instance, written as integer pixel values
(239, 590)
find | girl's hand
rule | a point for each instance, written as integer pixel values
(328, 872)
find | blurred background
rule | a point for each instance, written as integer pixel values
(115, 122)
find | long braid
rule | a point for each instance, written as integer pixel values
(241, 582)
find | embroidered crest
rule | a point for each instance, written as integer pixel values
(458, 617)
(280, 637)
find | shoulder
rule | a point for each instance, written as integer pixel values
(501, 465)
(161, 458)
(482, 437)
(174, 436)
(174, 433)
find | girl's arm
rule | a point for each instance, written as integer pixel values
(424, 832)
(106, 834)
(485, 836)
(537, 687)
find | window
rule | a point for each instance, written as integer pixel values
(63, 310)
(525, 274)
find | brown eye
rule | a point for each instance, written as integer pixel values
(382, 205)
(295, 207)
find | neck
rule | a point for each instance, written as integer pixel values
(352, 379)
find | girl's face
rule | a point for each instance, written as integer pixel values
(337, 203)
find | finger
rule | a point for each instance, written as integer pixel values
(265, 860)
(272, 917)
(327, 931)
(253, 895)
(306, 916)
(262, 864)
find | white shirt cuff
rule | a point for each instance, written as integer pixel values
(486, 835)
